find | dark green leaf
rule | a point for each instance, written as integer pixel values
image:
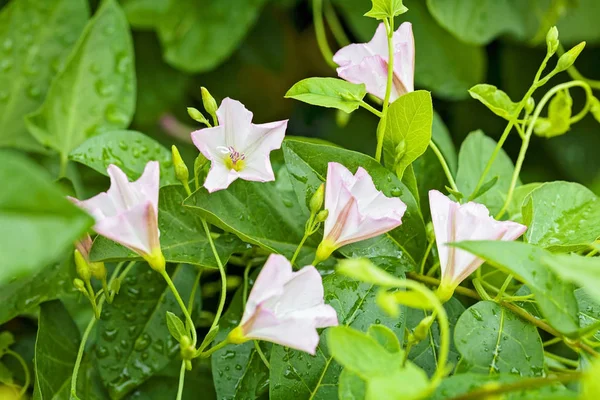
(128, 150)
(37, 223)
(495, 99)
(99, 73)
(145, 13)
(182, 236)
(328, 92)
(579, 22)
(32, 58)
(6, 376)
(55, 352)
(554, 297)
(6, 340)
(589, 310)
(133, 339)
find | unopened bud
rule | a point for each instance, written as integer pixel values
(322, 215)
(186, 349)
(529, 105)
(82, 267)
(197, 116)
(566, 60)
(430, 232)
(209, 102)
(181, 170)
(79, 285)
(552, 40)
(98, 270)
(422, 330)
(316, 201)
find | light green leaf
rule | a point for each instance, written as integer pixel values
(100, 74)
(133, 340)
(385, 337)
(554, 297)
(328, 92)
(175, 326)
(37, 223)
(519, 197)
(351, 387)
(145, 13)
(583, 271)
(55, 352)
(589, 309)
(494, 99)
(562, 216)
(491, 340)
(407, 126)
(383, 9)
(128, 150)
(31, 59)
(559, 115)
(182, 236)
(6, 376)
(362, 269)
(474, 155)
(197, 38)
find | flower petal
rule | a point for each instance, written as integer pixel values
(302, 292)
(404, 57)
(148, 184)
(261, 140)
(372, 71)
(129, 228)
(219, 177)
(235, 119)
(211, 142)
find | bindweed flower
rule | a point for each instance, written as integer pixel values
(237, 148)
(357, 210)
(128, 213)
(285, 307)
(454, 222)
(368, 62)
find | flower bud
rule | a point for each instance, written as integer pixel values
(181, 170)
(322, 215)
(530, 105)
(566, 60)
(421, 331)
(79, 285)
(552, 40)
(210, 105)
(82, 267)
(186, 349)
(316, 201)
(197, 116)
(430, 232)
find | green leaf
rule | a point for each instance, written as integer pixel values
(580, 270)
(238, 372)
(175, 326)
(133, 339)
(484, 188)
(307, 165)
(589, 310)
(295, 373)
(385, 337)
(128, 150)
(99, 73)
(362, 269)
(408, 125)
(55, 352)
(145, 13)
(32, 58)
(196, 37)
(519, 197)
(554, 297)
(595, 108)
(328, 92)
(562, 216)
(578, 23)
(559, 116)
(6, 340)
(495, 99)
(439, 70)
(425, 353)
(37, 223)
(475, 152)
(182, 236)
(6, 376)
(351, 387)
(383, 9)
(492, 339)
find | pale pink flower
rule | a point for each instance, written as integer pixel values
(368, 62)
(453, 222)
(285, 307)
(357, 210)
(128, 212)
(237, 148)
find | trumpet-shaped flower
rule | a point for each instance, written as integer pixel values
(368, 62)
(357, 210)
(285, 307)
(453, 222)
(128, 212)
(237, 148)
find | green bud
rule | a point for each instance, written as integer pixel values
(421, 331)
(181, 170)
(98, 270)
(209, 102)
(197, 116)
(342, 118)
(186, 349)
(530, 105)
(82, 267)
(566, 60)
(552, 40)
(316, 201)
(430, 232)
(322, 215)
(79, 285)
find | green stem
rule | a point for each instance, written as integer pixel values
(424, 260)
(186, 186)
(223, 276)
(529, 133)
(182, 305)
(367, 106)
(507, 281)
(552, 341)
(445, 167)
(320, 33)
(575, 74)
(491, 391)
(335, 25)
(565, 361)
(217, 347)
(25, 371)
(389, 26)
(297, 252)
(245, 289)
(181, 380)
(480, 290)
(261, 354)
(190, 306)
(92, 298)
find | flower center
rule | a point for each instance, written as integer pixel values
(235, 160)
